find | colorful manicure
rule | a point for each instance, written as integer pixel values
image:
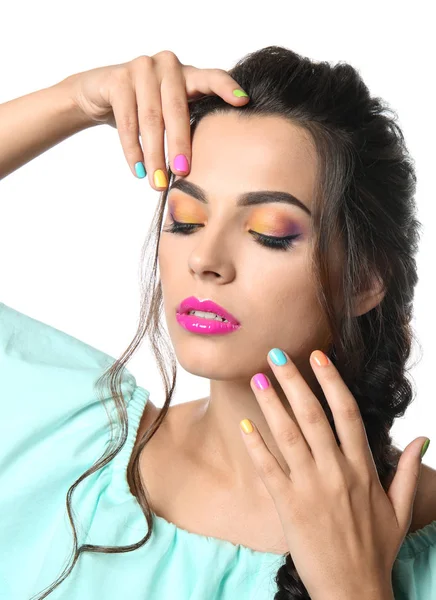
(160, 179)
(424, 448)
(181, 163)
(246, 426)
(320, 358)
(260, 381)
(240, 94)
(277, 356)
(140, 170)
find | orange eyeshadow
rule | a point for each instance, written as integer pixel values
(185, 212)
(266, 221)
(274, 224)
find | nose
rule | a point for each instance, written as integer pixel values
(213, 257)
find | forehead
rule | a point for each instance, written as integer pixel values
(234, 153)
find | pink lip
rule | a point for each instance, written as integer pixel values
(193, 303)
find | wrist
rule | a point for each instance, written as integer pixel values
(68, 105)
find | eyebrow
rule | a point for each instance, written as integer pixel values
(246, 199)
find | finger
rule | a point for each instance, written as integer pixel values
(271, 473)
(402, 491)
(126, 118)
(176, 117)
(346, 414)
(213, 81)
(151, 122)
(178, 83)
(288, 435)
(309, 415)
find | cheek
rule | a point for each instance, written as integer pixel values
(290, 291)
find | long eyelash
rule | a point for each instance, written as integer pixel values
(277, 243)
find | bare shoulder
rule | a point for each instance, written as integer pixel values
(170, 434)
(148, 416)
(162, 453)
(177, 419)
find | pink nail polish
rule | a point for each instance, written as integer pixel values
(181, 163)
(260, 381)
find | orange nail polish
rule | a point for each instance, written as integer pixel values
(320, 358)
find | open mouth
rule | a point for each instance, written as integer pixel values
(206, 309)
(207, 315)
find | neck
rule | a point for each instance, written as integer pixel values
(215, 437)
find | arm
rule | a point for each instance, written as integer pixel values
(32, 124)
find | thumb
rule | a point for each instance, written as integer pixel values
(402, 490)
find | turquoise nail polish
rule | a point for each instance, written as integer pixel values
(140, 170)
(277, 356)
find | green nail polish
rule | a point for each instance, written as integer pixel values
(240, 94)
(424, 448)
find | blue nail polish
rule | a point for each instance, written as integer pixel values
(277, 356)
(140, 170)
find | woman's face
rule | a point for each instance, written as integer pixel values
(268, 290)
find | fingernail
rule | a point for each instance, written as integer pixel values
(240, 94)
(260, 381)
(181, 163)
(140, 170)
(277, 356)
(159, 178)
(320, 358)
(246, 426)
(424, 448)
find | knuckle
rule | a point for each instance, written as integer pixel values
(349, 412)
(152, 117)
(330, 375)
(181, 147)
(130, 148)
(143, 61)
(267, 468)
(290, 372)
(180, 108)
(289, 436)
(313, 416)
(268, 398)
(127, 124)
(219, 72)
(168, 56)
(120, 75)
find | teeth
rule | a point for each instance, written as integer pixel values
(207, 315)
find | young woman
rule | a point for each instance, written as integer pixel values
(286, 274)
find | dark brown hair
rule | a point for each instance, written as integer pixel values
(365, 198)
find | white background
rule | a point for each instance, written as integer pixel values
(73, 220)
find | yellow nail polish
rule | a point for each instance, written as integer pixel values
(246, 426)
(159, 178)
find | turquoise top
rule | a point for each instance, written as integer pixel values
(53, 428)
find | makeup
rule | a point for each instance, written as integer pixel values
(197, 324)
(267, 221)
(212, 319)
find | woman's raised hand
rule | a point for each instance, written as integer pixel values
(144, 97)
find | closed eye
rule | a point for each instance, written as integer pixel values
(277, 243)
